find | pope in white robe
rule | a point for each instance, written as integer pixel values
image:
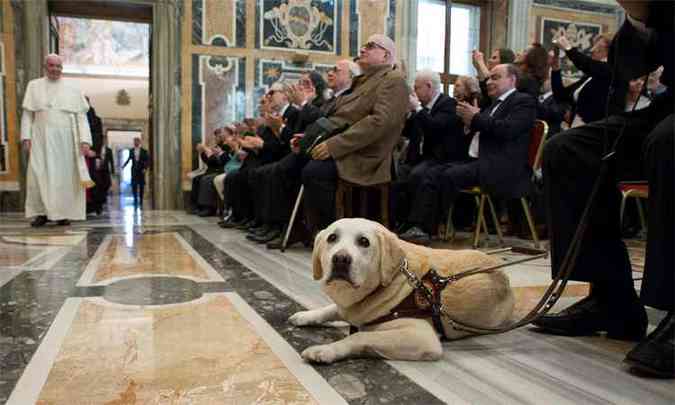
(55, 131)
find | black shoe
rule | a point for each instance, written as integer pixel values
(402, 228)
(63, 222)
(259, 230)
(245, 225)
(208, 212)
(272, 234)
(232, 223)
(416, 235)
(39, 221)
(589, 316)
(654, 355)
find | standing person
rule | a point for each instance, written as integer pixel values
(105, 167)
(572, 163)
(140, 160)
(96, 129)
(54, 131)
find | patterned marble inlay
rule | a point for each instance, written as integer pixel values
(165, 254)
(132, 355)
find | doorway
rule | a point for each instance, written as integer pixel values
(107, 53)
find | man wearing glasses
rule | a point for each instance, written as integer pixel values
(374, 110)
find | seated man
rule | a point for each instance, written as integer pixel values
(375, 109)
(436, 136)
(499, 148)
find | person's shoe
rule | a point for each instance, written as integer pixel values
(245, 225)
(416, 235)
(402, 228)
(207, 212)
(40, 220)
(589, 316)
(232, 223)
(272, 234)
(654, 355)
(63, 222)
(259, 230)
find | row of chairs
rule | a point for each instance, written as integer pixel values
(538, 137)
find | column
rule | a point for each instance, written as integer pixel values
(519, 21)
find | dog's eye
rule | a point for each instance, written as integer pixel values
(332, 238)
(364, 242)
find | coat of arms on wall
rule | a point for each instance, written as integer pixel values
(580, 35)
(123, 97)
(298, 24)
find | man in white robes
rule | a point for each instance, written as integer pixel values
(55, 132)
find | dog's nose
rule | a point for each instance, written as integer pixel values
(342, 259)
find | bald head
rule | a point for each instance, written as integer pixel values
(53, 66)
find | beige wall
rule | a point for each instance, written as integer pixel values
(103, 95)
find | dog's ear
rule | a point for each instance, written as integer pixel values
(319, 245)
(391, 254)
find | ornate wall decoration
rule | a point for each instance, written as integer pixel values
(4, 141)
(219, 23)
(123, 98)
(308, 25)
(218, 94)
(580, 35)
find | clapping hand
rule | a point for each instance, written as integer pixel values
(295, 143)
(274, 121)
(467, 111)
(320, 152)
(413, 102)
(563, 43)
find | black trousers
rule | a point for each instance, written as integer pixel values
(137, 186)
(237, 189)
(282, 181)
(320, 180)
(571, 164)
(406, 187)
(439, 189)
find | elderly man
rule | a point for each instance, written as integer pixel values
(499, 145)
(374, 109)
(55, 132)
(436, 136)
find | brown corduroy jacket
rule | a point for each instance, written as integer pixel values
(376, 110)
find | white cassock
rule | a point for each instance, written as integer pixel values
(54, 119)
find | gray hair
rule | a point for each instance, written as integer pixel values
(432, 76)
(471, 84)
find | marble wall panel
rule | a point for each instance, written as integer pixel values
(218, 94)
(9, 137)
(219, 23)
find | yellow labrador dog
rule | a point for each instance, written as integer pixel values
(358, 262)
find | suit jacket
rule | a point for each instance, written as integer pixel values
(108, 164)
(439, 130)
(592, 102)
(277, 146)
(503, 146)
(138, 167)
(375, 108)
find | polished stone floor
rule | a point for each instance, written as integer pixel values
(158, 307)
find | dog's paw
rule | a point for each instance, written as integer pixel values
(320, 354)
(303, 318)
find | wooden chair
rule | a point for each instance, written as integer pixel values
(538, 136)
(344, 198)
(638, 190)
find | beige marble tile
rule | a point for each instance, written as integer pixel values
(56, 240)
(16, 255)
(124, 256)
(204, 352)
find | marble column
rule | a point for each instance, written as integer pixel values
(519, 21)
(166, 104)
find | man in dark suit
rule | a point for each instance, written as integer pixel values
(140, 160)
(572, 163)
(436, 136)
(499, 146)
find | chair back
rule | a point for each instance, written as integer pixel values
(538, 135)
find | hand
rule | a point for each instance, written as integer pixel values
(555, 63)
(466, 111)
(84, 149)
(320, 152)
(274, 121)
(252, 142)
(563, 43)
(296, 95)
(295, 143)
(91, 153)
(477, 58)
(27, 144)
(413, 102)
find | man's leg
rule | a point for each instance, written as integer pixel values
(141, 187)
(320, 180)
(134, 190)
(655, 353)
(572, 164)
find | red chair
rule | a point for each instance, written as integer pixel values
(638, 190)
(538, 136)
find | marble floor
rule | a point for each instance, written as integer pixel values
(160, 307)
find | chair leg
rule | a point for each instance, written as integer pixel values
(495, 220)
(384, 206)
(530, 222)
(481, 205)
(449, 234)
(289, 228)
(339, 201)
(622, 208)
(641, 213)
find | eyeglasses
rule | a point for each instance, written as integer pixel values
(373, 45)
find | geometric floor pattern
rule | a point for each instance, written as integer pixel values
(159, 307)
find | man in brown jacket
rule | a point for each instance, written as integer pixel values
(375, 108)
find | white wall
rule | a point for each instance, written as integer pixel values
(102, 93)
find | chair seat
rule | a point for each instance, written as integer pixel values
(635, 190)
